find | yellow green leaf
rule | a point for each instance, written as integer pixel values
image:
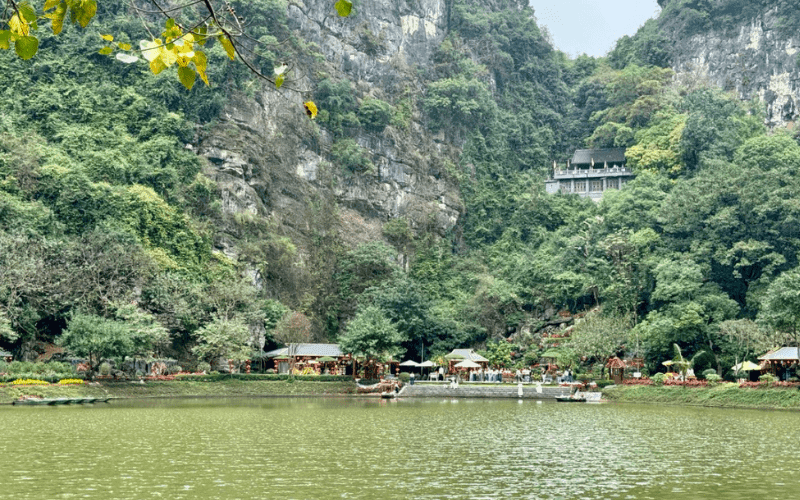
(105, 51)
(150, 49)
(49, 4)
(5, 36)
(169, 57)
(26, 47)
(19, 26)
(108, 38)
(157, 66)
(279, 81)
(124, 46)
(200, 60)
(86, 13)
(186, 76)
(311, 109)
(343, 7)
(58, 17)
(28, 12)
(227, 45)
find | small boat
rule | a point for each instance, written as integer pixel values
(388, 395)
(571, 399)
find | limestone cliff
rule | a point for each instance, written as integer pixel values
(752, 59)
(270, 160)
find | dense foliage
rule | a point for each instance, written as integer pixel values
(107, 222)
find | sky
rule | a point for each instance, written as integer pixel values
(592, 26)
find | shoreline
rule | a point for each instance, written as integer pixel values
(728, 395)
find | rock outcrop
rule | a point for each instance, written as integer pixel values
(754, 59)
(270, 160)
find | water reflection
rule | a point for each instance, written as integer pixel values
(345, 448)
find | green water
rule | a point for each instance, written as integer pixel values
(347, 448)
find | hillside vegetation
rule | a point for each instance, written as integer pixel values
(104, 205)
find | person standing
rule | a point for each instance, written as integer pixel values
(411, 379)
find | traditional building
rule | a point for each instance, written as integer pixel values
(590, 172)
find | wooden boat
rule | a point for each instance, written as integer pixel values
(58, 401)
(571, 399)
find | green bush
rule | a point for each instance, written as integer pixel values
(709, 371)
(105, 369)
(405, 377)
(585, 377)
(658, 379)
(767, 379)
(603, 383)
(375, 114)
(204, 367)
(713, 378)
(351, 156)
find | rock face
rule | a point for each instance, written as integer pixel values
(753, 60)
(270, 160)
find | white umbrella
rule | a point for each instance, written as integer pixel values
(409, 363)
(427, 364)
(468, 364)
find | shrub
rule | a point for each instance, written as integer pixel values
(404, 377)
(105, 369)
(172, 370)
(708, 372)
(604, 383)
(766, 379)
(658, 379)
(351, 156)
(375, 114)
(368, 381)
(204, 367)
(713, 378)
(585, 377)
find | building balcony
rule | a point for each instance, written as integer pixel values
(587, 173)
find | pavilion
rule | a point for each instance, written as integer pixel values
(780, 361)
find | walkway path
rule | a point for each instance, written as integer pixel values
(443, 390)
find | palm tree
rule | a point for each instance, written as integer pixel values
(682, 364)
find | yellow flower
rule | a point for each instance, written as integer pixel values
(311, 109)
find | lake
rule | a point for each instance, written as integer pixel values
(357, 448)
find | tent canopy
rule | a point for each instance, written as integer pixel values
(468, 364)
(410, 362)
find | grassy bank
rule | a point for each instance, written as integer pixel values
(171, 389)
(723, 396)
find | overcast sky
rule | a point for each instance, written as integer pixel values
(592, 26)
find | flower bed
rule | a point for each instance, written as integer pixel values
(686, 383)
(70, 381)
(637, 381)
(29, 381)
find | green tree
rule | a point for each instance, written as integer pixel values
(228, 339)
(98, 338)
(780, 307)
(371, 334)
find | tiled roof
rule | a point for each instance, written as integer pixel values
(600, 156)
(784, 353)
(309, 350)
(470, 354)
